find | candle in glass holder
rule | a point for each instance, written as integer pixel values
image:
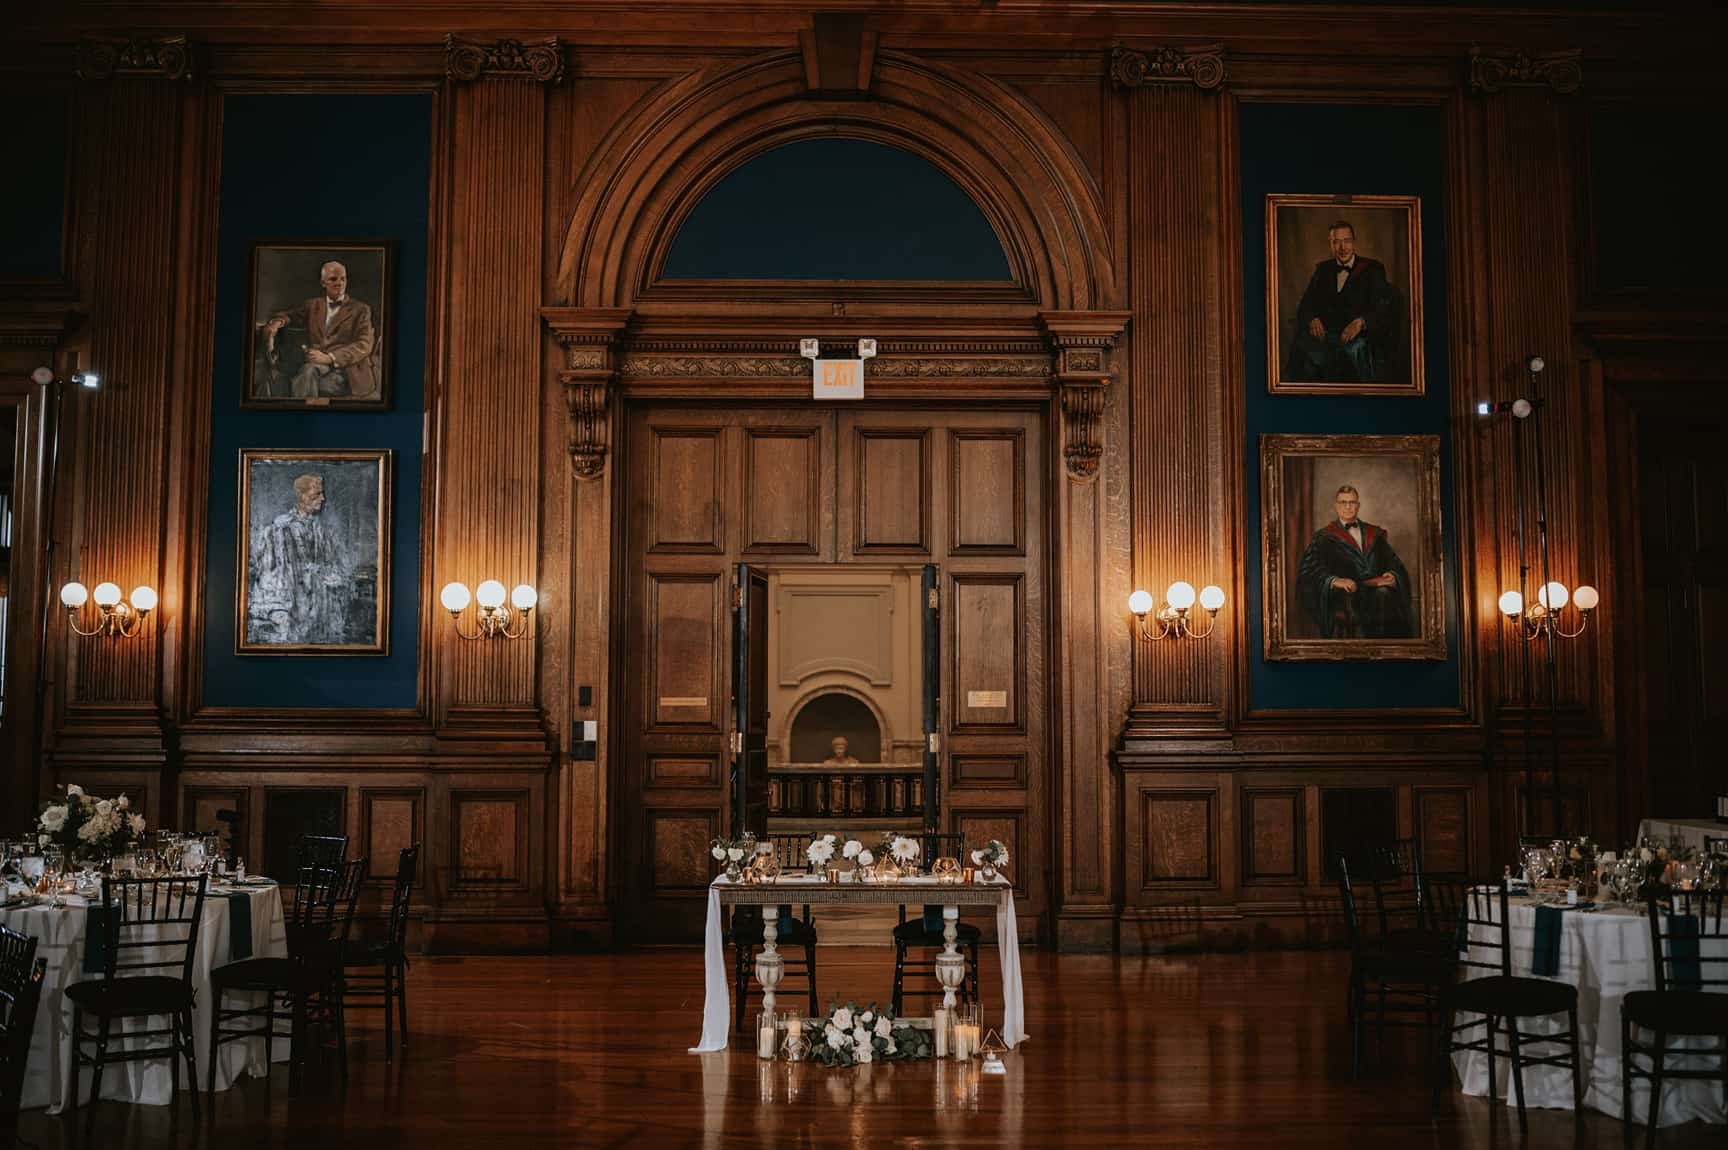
(834, 874)
(968, 875)
(939, 1023)
(765, 1037)
(794, 1038)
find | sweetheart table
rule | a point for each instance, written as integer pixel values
(815, 890)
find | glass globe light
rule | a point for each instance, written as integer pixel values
(1211, 597)
(1511, 604)
(107, 594)
(1180, 595)
(1553, 596)
(1140, 602)
(143, 598)
(455, 597)
(1586, 598)
(523, 597)
(74, 595)
(490, 594)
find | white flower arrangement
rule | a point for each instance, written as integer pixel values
(854, 1036)
(821, 850)
(904, 849)
(994, 853)
(865, 858)
(853, 848)
(86, 822)
(734, 851)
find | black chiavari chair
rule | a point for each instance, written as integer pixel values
(150, 938)
(926, 934)
(1499, 996)
(1689, 949)
(375, 973)
(1396, 986)
(1400, 900)
(747, 926)
(21, 975)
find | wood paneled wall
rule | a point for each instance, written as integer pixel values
(1132, 780)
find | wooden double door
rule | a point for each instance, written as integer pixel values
(710, 487)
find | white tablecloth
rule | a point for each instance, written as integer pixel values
(1606, 955)
(717, 999)
(1692, 832)
(60, 937)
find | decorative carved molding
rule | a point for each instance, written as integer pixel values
(589, 337)
(725, 365)
(1561, 71)
(1202, 65)
(103, 58)
(468, 60)
(1083, 343)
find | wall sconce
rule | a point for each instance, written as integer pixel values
(1172, 618)
(1543, 615)
(119, 618)
(494, 619)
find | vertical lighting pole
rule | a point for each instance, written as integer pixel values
(1524, 594)
(47, 520)
(1534, 365)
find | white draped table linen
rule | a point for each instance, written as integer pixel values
(1606, 955)
(717, 1001)
(60, 937)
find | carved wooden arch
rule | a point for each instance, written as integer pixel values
(996, 146)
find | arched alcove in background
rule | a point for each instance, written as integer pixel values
(836, 208)
(831, 714)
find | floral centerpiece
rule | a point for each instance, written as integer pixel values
(901, 848)
(734, 853)
(855, 850)
(990, 858)
(821, 850)
(851, 1036)
(86, 825)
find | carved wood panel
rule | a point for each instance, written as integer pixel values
(987, 492)
(783, 483)
(1442, 818)
(675, 849)
(391, 820)
(684, 675)
(890, 480)
(1179, 838)
(680, 771)
(685, 496)
(986, 771)
(987, 655)
(490, 834)
(1272, 832)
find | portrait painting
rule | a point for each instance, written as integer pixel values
(318, 324)
(1344, 295)
(1352, 554)
(314, 555)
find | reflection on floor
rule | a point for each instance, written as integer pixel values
(589, 1050)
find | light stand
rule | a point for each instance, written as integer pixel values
(45, 378)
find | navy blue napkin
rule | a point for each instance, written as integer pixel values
(1545, 963)
(1685, 971)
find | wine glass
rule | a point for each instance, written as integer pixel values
(54, 869)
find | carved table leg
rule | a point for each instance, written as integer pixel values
(950, 967)
(769, 965)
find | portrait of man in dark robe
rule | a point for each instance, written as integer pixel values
(1351, 583)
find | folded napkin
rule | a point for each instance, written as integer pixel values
(1685, 972)
(1545, 963)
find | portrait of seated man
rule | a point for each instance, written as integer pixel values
(336, 359)
(1347, 321)
(318, 325)
(1351, 583)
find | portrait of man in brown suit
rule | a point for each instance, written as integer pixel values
(327, 350)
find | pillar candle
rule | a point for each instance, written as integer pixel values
(940, 1025)
(765, 1042)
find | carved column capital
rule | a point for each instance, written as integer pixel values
(468, 60)
(1490, 72)
(1083, 345)
(161, 57)
(589, 340)
(1201, 65)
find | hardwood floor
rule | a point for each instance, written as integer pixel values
(589, 1050)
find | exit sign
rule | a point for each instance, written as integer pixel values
(838, 379)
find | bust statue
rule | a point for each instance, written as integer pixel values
(839, 758)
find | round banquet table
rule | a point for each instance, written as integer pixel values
(60, 938)
(1606, 954)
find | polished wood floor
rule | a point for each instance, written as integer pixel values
(589, 1050)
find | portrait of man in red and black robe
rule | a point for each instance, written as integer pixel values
(1351, 582)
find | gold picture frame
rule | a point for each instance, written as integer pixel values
(1327, 595)
(1377, 304)
(303, 352)
(313, 552)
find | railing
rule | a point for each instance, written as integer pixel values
(870, 791)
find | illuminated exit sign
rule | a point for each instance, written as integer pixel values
(838, 379)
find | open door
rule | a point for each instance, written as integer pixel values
(932, 699)
(750, 701)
